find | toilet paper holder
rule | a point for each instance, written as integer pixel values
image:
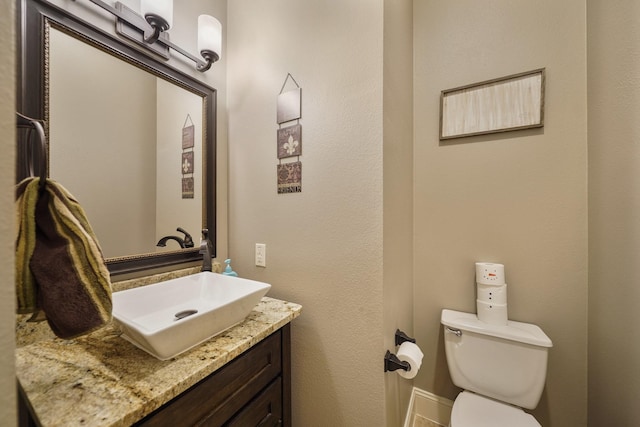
(391, 361)
(402, 337)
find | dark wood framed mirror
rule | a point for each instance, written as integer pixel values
(46, 33)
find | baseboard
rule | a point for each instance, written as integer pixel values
(430, 406)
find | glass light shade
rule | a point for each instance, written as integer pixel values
(209, 34)
(161, 8)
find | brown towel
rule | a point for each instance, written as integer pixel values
(60, 268)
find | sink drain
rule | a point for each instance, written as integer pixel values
(184, 313)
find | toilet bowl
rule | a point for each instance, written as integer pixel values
(501, 368)
(472, 410)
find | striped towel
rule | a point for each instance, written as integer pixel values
(60, 269)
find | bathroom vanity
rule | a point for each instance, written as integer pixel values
(241, 377)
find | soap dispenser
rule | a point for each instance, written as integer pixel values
(228, 271)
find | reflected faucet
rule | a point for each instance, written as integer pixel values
(206, 249)
(187, 242)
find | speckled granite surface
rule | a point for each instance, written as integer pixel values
(102, 380)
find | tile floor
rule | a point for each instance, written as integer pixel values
(419, 421)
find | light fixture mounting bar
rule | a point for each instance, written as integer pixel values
(132, 26)
(199, 62)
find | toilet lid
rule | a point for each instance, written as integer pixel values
(473, 410)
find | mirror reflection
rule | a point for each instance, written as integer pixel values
(117, 138)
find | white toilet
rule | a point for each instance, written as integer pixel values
(502, 369)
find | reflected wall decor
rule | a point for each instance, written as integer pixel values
(504, 104)
(187, 164)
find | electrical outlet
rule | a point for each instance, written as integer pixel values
(261, 254)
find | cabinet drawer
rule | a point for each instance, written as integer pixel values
(263, 411)
(218, 397)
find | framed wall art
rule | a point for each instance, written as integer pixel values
(504, 104)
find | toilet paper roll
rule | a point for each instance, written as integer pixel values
(492, 294)
(488, 273)
(409, 352)
(493, 314)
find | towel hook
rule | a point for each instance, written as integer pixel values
(31, 124)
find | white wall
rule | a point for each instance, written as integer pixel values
(7, 215)
(518, 198)
(324, 245)
(614, 207)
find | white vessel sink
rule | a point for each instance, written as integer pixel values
(168, 318)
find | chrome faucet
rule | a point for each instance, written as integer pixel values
(206, 249)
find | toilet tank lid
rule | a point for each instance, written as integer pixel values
(514, 331)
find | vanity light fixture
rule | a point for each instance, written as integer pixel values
(159, 15)
(150, 30)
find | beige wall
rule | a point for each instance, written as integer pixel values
(7, 226)
(397, 193)
(103, 152)
(324, 245)
(172, 211)
(614, 206)
(516, 198)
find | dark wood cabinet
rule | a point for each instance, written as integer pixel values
(254, 389)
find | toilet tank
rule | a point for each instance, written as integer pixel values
(507, 363)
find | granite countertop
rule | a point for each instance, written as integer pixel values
(102, 380)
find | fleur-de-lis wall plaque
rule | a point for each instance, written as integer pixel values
(290, 141)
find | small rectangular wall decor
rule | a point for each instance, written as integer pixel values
(289, 104)
(187, 188)
(187, 162)
(188, 134)
(290, 141)
(290, 177)
(499, 105)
